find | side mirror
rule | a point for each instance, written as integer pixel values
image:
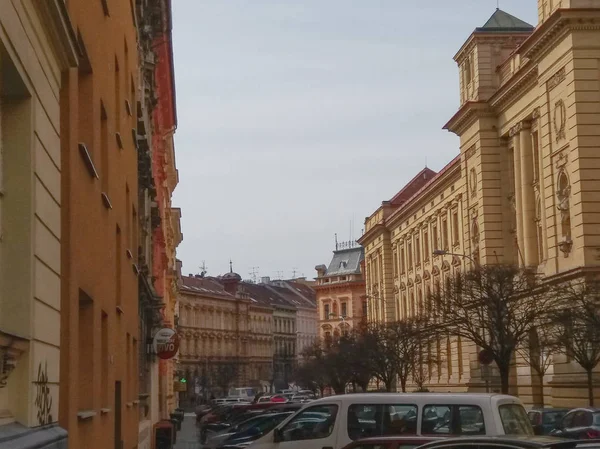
(277, 436)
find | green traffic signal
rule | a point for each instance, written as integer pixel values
(184, 380)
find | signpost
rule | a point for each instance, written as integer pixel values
(165, 343)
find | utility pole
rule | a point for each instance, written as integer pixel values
(203, 269)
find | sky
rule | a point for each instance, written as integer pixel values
(296, 118)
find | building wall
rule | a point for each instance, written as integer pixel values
(306, 329)
(260, 345)
(32, 60)
(99, 334)
(522, 190)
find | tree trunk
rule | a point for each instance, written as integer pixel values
(541, 379)
(504, 376)
(403, 384)
(389, 385)
(590, 385)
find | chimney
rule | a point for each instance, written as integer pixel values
(321, 269)
(265, 280)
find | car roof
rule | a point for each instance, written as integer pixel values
(365, 397)
(400, 438)
(526, 442)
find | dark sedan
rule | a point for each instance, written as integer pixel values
(579, 423)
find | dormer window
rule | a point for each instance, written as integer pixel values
(343, 264)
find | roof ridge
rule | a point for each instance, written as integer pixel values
(501, 20)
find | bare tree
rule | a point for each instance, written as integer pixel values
(495, 307)
(578, 327)
(383, 354)
(225, 373)
(541, 346)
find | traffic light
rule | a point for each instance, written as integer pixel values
(183, 380)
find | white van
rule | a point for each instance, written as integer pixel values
(335, 421)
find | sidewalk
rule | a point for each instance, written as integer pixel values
(187, 437)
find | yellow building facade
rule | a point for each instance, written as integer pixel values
(37, 46)
(522, 190)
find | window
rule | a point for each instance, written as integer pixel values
(425, 246)
(311, 424)
(455, 228)
(402, 259)
(452, 420)
(418, 250)
(536, 157)
(410, 256)
(434, 236)
(444, 234)
(326, 311)
(395, 264)
(366, 420)
(344, 309)
(514, 420)
(364, 308)
(86, 348)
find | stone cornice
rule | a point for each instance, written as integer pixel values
(370, 235)
(559, 24)
(521, 81)
(466, 115)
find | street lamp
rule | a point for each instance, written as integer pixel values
(443, 252)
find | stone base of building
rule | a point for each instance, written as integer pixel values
(17, 436)
(145, 434)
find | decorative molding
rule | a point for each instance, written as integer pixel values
(560, 120)
(561, 160)
(470, 152)
(556, 79)
(516, 129)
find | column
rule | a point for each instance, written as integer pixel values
(514, 133)
(527, 198)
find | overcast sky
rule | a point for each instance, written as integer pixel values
(298, 117)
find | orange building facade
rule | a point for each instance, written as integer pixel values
(167, 235)
(99, 214)
(340, 291)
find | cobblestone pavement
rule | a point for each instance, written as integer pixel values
(187, 437)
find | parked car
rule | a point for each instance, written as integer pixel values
(250, 432)
(279, 398)
(393, 442)
(346, 418)
(544, 420)
(502, 442)
(579, 423)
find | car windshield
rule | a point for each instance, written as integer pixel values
(515, 420)
(551, 418)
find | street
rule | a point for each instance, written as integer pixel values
(187, 437)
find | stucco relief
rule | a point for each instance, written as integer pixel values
(473, 182)
(560, 120)
(563, 193)
(557, 78)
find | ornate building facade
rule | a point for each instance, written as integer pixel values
(340, 290)
(522, 190)
(37, 46)
(223, 320)
(167, 234)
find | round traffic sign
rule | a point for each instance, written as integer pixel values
(166, 343)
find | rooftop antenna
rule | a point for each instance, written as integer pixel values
(203, 269)
(336, 242)
(425, 161)
(230, 266)
(254, 274)
(279, 274)
(294, 271)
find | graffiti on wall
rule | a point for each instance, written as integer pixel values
(43, 398)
